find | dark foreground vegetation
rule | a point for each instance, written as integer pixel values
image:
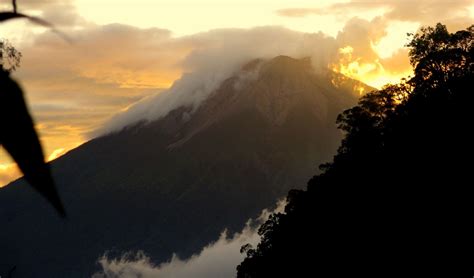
(397, 198)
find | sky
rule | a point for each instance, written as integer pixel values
(122, 51)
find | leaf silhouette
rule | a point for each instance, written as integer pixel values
(5, 16)
(19, 138)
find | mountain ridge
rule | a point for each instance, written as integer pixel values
(174, 184)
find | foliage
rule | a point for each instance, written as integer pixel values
(396, 200)
(9, 56)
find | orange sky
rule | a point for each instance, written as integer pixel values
(73, 88)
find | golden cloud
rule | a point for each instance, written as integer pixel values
(8, 173)
(73, 89)
(423, 11)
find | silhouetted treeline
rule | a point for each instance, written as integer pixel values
(397, 200)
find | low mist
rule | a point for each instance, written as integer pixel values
(217, 260)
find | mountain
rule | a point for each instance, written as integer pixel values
(174, 184)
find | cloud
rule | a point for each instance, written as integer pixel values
(109, 67)
(73, 89)
(217, 260)
(336, 9)
(424, 11)
(397, 63)
(361, 44)
(372, 47)
(62, 13)
(215, 56)
(429, 11)
(361, 34)
(115, 54)
(299, 12)
(36, 5)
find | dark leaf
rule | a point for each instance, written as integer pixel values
(19, 138)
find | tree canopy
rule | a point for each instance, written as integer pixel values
(397, 198)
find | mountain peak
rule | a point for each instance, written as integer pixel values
(284, 83)
(181, 179)
(277, 91)
(283, 60)
(279, 65)
(278, 77)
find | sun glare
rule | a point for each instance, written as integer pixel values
(396, 38)
(8, 172)
(372, 74)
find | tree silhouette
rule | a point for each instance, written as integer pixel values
(397, 198)
(18, 134)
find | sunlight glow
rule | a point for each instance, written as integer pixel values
(347, 50)
(378, 81)
(8, 172)
(56, 153)
(372, 74)
(395, 38)
(366, 74)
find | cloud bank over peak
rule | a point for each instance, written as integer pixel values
(217, 260)
(217, 55)
(77, 90)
